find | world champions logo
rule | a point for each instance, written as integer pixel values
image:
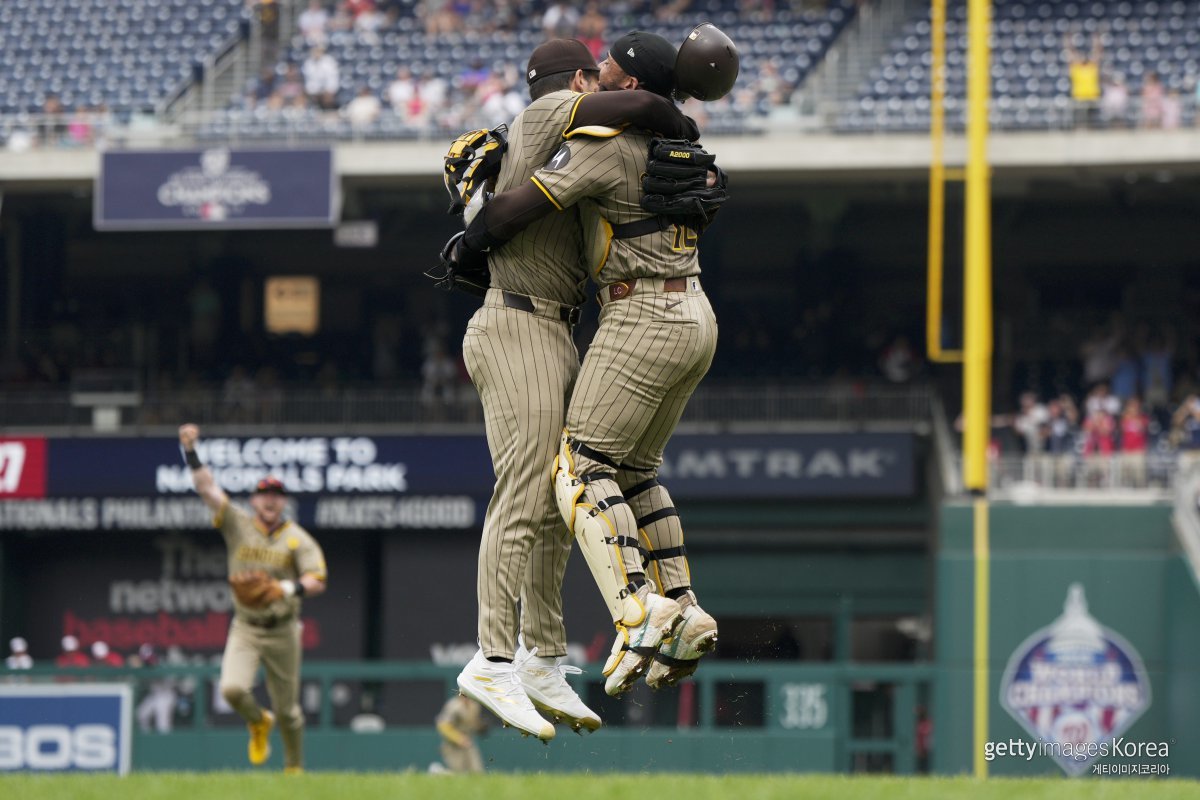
(1074, 685)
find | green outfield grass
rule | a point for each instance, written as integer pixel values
(357, 786)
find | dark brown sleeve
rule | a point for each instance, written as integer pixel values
(506, 215)
(639, 108)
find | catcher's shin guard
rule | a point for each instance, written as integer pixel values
(660, 529)
(597, 537)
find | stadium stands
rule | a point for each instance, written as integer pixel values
(125, 55)
(778, 52)
(1031, 82)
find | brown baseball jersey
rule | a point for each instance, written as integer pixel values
(285, 553)
(544, 259)
(602, 174)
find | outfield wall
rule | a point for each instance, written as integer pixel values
(1141, 604)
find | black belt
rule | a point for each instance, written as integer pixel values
(568, 314)
(268, 622)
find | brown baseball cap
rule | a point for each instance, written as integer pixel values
(559, 55)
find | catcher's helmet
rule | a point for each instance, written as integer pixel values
(707, 64)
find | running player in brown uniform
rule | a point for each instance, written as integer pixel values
(649, 354)
(270, 633)
(537, 282)
(460, 719)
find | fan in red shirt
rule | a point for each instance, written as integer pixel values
(104, 657)
(71, 656)
(1135, 439)
(1099, 444)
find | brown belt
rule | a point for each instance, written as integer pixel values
(622, 289)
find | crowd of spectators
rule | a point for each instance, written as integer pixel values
(1132, 424)
(481, 93)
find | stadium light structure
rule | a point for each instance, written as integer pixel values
(976, 355)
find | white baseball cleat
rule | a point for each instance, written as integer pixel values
(498, 689)
(678, 656)
(636, 645)
(546, 685)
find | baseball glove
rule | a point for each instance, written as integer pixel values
(675, 185)
(255, 589)
(462, 269)
(472, 162)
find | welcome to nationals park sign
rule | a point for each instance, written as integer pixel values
(382, 482)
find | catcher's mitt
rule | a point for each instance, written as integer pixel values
(462, 269)
(255, 589)
(675, 185)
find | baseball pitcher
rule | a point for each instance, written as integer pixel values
(273, 563)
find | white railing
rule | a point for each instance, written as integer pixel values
(1073, 477)
(711, 408)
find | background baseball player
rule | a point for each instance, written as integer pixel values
(273, 562)
(649, 354)
(521, 357)
(459, 721)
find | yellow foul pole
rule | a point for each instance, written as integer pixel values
(977, 345)
(937, 188)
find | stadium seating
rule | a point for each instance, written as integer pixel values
(1030, 73)
(792, 42)
(127, 55)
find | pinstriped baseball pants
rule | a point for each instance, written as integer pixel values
(524, 366)
(650, 353)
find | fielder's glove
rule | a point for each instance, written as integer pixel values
(462, 269)
(255, 589)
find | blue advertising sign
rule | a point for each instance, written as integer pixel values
(215, 189)
(65, 728)
(380, 482)
(793, 465)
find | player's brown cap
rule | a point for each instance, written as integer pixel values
(270, 485)
(648, 57)
(559, 55)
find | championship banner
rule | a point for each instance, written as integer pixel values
(65, 728)
(401, 482)
(1076, 687)
(215, 189)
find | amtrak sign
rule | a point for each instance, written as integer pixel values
(791, 465)
(1076, 686)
